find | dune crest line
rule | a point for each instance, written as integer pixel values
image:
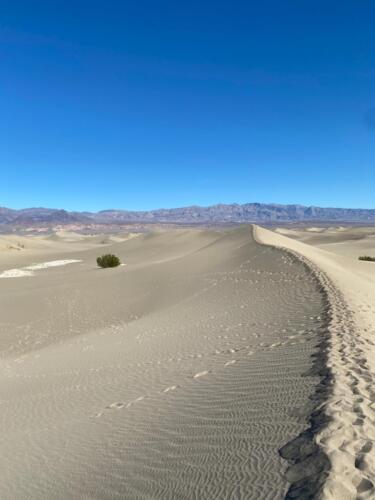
(343, 423)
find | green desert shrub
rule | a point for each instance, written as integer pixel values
(367, 257)
(108, 260)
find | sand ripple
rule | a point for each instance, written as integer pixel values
(188, 392)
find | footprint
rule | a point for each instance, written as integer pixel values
(171, 388)
(135, 401)
(366, 448)
(116, 406)
(365, 485)
(201, 374)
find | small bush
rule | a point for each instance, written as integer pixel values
(367, 257)
(108, 260)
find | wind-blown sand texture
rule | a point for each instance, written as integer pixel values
(344, 424)
(176, 376)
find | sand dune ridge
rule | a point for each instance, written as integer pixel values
(346, 420)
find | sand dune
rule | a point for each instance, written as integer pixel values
(345, 429)
(175, 376)
(21, 250)
(347, 241)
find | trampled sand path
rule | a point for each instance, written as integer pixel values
(344, 423)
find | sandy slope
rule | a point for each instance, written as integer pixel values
(348, 241)
(21, 250)
(176, 376)
(348, 437)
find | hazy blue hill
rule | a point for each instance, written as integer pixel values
(249, 212)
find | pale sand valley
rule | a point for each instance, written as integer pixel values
(213, 364)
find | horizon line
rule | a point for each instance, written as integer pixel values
(184, 206)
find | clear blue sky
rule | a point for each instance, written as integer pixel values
(138, 105)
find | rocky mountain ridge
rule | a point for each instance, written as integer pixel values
(221, 213)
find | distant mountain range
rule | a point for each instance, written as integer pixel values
(215, 214)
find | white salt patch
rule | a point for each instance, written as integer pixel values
(28, 270)
(15, 273)
(51, 263)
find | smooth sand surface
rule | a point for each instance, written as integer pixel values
(348, 241)
(175, 376)
(345, 429)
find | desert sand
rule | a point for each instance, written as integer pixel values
(348, 241)
(344, 424)
(174, 376)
